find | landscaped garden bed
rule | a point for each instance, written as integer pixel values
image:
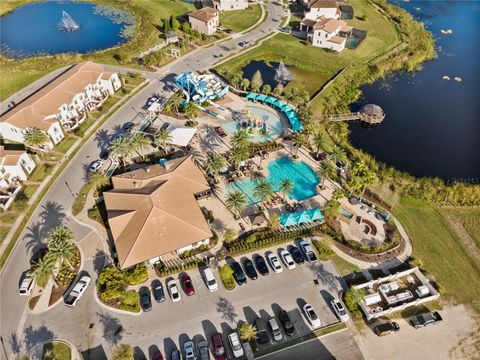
(226, 275)
(56, 350)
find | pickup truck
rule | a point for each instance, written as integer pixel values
(422, 320)
(308, 250)
(78, 290)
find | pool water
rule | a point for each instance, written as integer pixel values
(303, 177)
(274, 129)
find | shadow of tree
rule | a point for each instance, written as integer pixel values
(227, 310)
(328, 279)
(35, 336)
(14, 344)
(112, 328)
(99, 261)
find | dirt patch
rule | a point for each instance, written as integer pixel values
(33, 302)
(55, 295)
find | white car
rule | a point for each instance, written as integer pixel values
(78, 290)
(152, 100)
(275, 329)
(189, 351)
(173, 290)
(274, 263)
(210, 279)
(236, 345)
(26, 286)
(96, 166)
(287, 259)
(308, 250)
(339, 310)
(312, 316)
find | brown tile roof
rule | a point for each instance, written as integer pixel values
(153, 211)
(308, 22)
(346, 28)
(45, 102)
(337, 39)
(10, 157)
(322, 4)
(329, 25)
(205, 14)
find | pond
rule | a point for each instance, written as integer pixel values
(432, 125)
(268, 71)
(34, 29)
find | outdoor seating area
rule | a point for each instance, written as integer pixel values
(304, 217)
(277, 104)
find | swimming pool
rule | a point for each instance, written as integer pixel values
(271, 117)
(303, 177)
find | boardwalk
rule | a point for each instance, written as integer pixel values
(371, 114)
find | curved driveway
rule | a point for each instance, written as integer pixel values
(20, 330)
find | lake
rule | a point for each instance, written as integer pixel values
(32, 29)
(432, 126)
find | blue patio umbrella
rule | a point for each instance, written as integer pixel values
(280, 104)
(284, 107)
(288, 220)
(316, 214)
(303, 217)
(270, 100)
(261, 97)
(251, 96)
(277, 103)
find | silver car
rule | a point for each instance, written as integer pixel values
(275, 329)
(189, 349)
(203, 350)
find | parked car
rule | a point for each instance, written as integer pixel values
(78, 290)
(96, 166)
(287, 259)
(238, 273)
(175, 355)
(250, 269)
(188, 285)
(228, 31)
(312, 316)
(157, 355)
(245, 43)
(286, 323)
(145, 299)
(173, 290)
(339, 310)
(236, 345)
(308, 251)
(275, 329)
(285, 30)
(296, 254)
(128, 126)
(189, 349)
(119, 136)
(261, 265)
(386, 328)
(203, 351)
(26, 286)
(274, 263)
(218, 348)
(158, 293)
(210, 279)
(262, 334)
(426, 319)
(104, 154)
(152, 100)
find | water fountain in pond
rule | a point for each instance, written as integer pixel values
(282, 74)
(67, 24)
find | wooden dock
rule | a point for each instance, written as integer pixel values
(370, 114)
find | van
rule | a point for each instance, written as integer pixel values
(26, 286)
(210, 279)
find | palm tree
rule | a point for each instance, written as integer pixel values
(120, 148)
(338, 155)
(263, 191)
(247, 332)
(162, 139)
(139, 143)
(361, 177)
(327, 170)
(43, 269)
(286, 186)
(320, 142)
(298, 141)
(62, 251)
(237, 155)
(35, 137)
(175, 102)
(236, 201)
(214, 164)
(191, 111)
(239, 138)
(245, 84)
(99, 179)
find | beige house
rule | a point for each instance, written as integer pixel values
(204, 21)
(226, 5)
(329, 34)
(153, 211)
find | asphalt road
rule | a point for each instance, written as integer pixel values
(54, 209)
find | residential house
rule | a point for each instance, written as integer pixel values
(153, 211)
(61, 104)
(330, 34)
(205, 20)
(326, 8)
(15, 166)
(226, 5)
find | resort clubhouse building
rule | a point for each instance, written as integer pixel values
(153, 211)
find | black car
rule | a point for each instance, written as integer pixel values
(238, 273)
(262, 334)
(261, 265)
(386, 328)
(157, 290)
(286, 323)
(128, 126)
(250, 269)
(296, 254)
(104, 154)
(145, 300)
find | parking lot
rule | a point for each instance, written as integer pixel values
(169, 325)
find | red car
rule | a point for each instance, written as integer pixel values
(157, 355)
(187, 285)
(218, 348)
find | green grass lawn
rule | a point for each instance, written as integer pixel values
(441, 250)
(3, 233)
(41, 172)
(65, 144)
(239, 20)
(56, 351)
(312, 67)
(8, 218)
(469, 218)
